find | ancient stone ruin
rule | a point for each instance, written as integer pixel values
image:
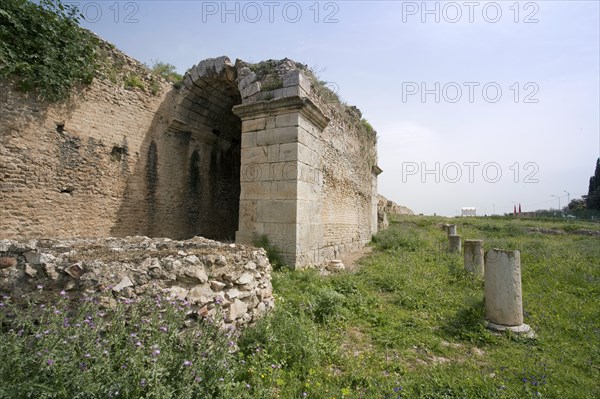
(206, 274)
(386, 207)
(238, 151)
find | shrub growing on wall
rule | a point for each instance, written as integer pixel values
(44, 49)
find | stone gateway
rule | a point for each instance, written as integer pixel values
(237, 151)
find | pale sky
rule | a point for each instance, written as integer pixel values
(476, 103)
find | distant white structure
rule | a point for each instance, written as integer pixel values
(469, 211)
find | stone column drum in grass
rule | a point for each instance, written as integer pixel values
(503, 294)
(474, 257)
(451, 228)
(454, 243)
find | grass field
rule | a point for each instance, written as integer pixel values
(408, 323)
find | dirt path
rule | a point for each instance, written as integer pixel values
(350, 260)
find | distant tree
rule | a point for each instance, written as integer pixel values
(576, 204)
(593, 197)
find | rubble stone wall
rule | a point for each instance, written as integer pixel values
(200, 271)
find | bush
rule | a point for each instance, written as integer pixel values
(166, 71)
(138, 349)
(43, 47)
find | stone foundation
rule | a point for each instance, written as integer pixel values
(200, 271)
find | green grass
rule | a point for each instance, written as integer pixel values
(409, 323)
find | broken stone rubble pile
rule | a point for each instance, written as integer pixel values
(203, 272)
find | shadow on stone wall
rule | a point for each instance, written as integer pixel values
(186, 178)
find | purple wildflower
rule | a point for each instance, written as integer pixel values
(187, 363)
(50, 362)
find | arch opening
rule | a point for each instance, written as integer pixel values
(208, 138)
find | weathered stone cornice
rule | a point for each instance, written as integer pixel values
(262, 109)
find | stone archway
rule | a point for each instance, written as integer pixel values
(209, 137)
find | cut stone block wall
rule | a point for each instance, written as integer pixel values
(309, 173)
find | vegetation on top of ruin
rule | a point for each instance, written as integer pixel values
(43, 46)
(166, 71)
(268, 74)
(408, 323)
(45, 51)
(122, 70)
(328, 95)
